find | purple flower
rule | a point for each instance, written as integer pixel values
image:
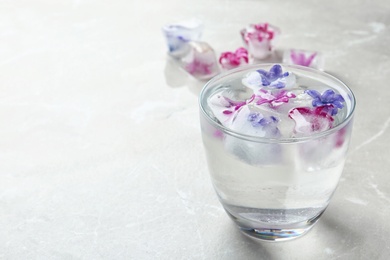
(179, 34)
(257, 119)
(330, 100)
(273, 76)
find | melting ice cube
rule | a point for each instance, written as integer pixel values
(248, 121)
(310, 120)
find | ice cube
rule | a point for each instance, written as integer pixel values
(252, 80)
(179, 34)
(304, 58)
(230, 60)
(201, 60)
(310, 120)
(260, 38)
(275, 78)
(285, 124)
(248, 121)
(219, 105)
(226, 104)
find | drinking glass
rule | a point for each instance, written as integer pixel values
(274, 189)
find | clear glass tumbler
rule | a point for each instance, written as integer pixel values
(274, 188)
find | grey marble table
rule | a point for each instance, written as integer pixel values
(100, 148)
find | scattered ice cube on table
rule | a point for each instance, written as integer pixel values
(259, 39)
(304, 58)
(230, 60)
(179, 34)
(200, 61)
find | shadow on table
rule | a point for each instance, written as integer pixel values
(337, 230)
(177, 77)
(330, 237)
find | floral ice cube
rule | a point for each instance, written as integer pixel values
(201, 61)
(276, 99)
(225, 109)
(329, 100)
(260, 38)
(230, 60)
(178, 35)
(275, 78)
(304, 58)
(250, 122)
(310, 120)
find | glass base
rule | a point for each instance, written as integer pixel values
(274, 232)
(274, 235)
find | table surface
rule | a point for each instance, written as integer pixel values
(100, 148)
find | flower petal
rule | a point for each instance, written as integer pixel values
(327, 96)
(313, 93)
(276, 70)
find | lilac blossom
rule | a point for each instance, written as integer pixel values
(268, 124)
(230, 60)
(199, 67)
(257, 119)
(299, 58)
(310, 120)
(274, 100)
(273, 76)
(330, 100)
(259, 32)
(233, 105)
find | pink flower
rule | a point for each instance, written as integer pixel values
(259, 32)
(198, 67)
(230, 60)
(299, 58)
(310, 120)
(232, 106)
(274, 100)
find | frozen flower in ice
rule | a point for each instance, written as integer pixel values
(259, 38)
(200, 61)
(260, 32)
(309, 120)
(178, 35)
(199, 67)
(340, 137)
(330, 100)
(299, 58)
(226, 109)
(233, 105)
(275, 99)
(274, 78)
(257, 119)
(267, 123)
(229, 60)
(305, 58)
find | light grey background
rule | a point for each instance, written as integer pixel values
(100, 148)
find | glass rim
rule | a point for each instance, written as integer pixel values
(237, 134)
